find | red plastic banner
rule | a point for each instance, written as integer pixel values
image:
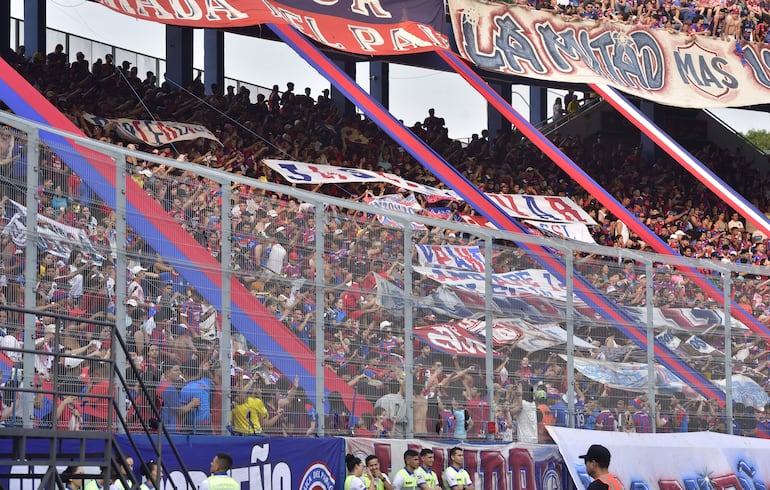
(372, 27)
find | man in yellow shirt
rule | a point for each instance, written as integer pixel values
(249, 410)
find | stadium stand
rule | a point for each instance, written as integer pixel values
(174, 330)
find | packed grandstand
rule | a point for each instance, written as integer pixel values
(173, 330)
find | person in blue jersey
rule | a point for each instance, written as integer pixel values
(220, 479)
(198, 386)
(408, 478)
(169, 397)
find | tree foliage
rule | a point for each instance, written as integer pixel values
(760, 138)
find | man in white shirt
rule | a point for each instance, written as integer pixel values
(44, 362)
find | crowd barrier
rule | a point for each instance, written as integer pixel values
(385, 324)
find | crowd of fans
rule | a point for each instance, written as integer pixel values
(735, 21)
(172, 329)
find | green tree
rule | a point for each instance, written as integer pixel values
(760, 138)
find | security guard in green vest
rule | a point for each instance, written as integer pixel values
(219, 479)
(407, 477)
(381, 480)
(426, 469)
(354, 480)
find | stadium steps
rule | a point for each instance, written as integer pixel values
(35, 457)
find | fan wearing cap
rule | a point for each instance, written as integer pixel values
(597, 461)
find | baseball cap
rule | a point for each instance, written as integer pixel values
(51, 328)
(597, 453)
(137, 269)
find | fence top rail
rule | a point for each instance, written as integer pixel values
(225, 178)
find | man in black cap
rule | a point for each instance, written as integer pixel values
(597, 460)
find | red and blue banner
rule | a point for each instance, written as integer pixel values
(374, 27)
(490, 466)
(281, 463)
(6, 368)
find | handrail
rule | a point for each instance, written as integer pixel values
(131, 365)
(57, 392)
(732, 130)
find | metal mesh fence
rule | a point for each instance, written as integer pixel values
(255, 308)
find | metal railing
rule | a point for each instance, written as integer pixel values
(298, 313)
(144, 63)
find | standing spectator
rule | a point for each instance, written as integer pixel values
(606, 419)
(558, 111)
(169, 397)
(395, 408)
(526, 420)
(276, 257)
(198, 387)
(544, 415)
(461, 420)
(249, 410)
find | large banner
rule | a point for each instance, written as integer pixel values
(51, 236)
(451, 257)
(672, 69)
(631, 376)
(671, 461)
(265, 463)
(527, 336)
(153, 133)
(571, 231)
(357, 26)
(491, 467)
(453, 340)
(692, 320)
(554, 209)
(529, 281)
